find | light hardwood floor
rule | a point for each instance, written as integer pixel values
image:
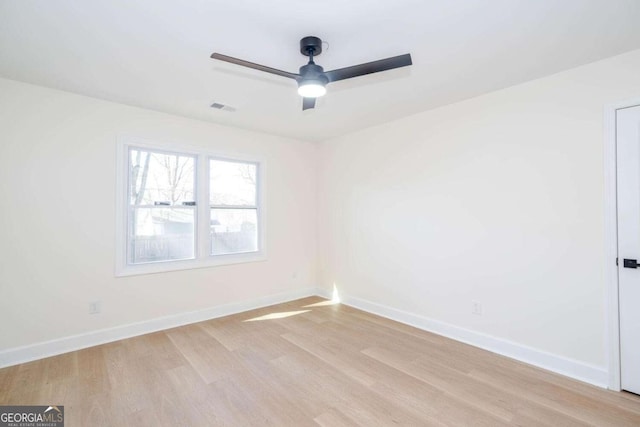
(328, 365)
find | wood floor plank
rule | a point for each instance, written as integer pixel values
(316, 379)
(585, 408)
(206, 355)
(307, 363)
(92, 370)
(334, 418)
(337, 360)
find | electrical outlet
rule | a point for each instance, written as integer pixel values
(477, 308)
(95, 307)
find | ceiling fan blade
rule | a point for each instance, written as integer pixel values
(258, 67)
(369, 68)
(308, 103)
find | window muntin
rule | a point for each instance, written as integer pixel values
(233, 201)
(162, 216)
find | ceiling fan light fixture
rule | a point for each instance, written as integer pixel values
(312, 88)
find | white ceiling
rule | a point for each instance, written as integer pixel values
(155, 53)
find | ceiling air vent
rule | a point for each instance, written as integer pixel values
(223, 107)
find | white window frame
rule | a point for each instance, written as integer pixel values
(203, 259)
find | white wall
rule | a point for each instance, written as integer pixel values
(497, 199)
(57, 222)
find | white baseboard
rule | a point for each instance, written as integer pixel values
(572, 368)
(17, 355)
(595, 375)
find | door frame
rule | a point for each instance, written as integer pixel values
(612, 308)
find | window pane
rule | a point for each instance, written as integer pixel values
(232, 183)
(234, 231)
(160, 178)
(161, 234)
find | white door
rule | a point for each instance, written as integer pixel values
(628, 160)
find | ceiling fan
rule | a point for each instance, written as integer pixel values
(312, 79)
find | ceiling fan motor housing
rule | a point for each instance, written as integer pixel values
(311, 45)
(313, 71)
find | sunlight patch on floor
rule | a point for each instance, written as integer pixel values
(320, 304)
(277, 315)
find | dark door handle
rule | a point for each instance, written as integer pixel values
(630, 263)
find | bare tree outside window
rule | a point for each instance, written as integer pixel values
(162, 206)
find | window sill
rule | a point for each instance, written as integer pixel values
(191, 264)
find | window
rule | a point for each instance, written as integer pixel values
(234, 207)
(186, 210)
(162, 213)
